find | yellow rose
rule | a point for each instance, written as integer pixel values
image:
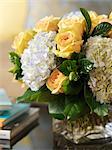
(93, 14)
(21, 41)
(55, 81)
(110, 16)
(69, 37)
(72, 24)
(109, 20)
(47, 24)
(68, 42)
(96, 19)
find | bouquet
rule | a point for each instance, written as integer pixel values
(66, 62)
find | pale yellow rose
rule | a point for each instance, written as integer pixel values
(72, 24)
(47, 24)
(69, 37)
(68, 42)
(55, 81)
(110, 16)
(21, 41)
(96, 19)
(93, 14)
(109, 20)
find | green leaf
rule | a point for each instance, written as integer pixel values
(68, 66)
(102, 29)
(56, 107)
(101, 110)
(75, 108)
(78, 56)
(28, 96)
(91, 101)
(71, 88)
(73, 76)
(87, 18)
(72, 111)
(65, 86)
(14, 58)
(85, 66)
(58, 116)
(42, 95)
(16, 69)
(59, 60)
(96, 107)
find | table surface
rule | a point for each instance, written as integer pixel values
(40, 138)
(37, 139)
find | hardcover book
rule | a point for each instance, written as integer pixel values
(21, 126)
(12, 114)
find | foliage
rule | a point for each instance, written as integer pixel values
(85, 66)
(96, 107)
(42, 95)
(56, 107)
(16, 69)
(87, 19)
(75, 107)
(68, 66)
(102, 29)
(71, 88)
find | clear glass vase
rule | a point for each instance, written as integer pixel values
(88, 133)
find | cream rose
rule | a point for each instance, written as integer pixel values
(47, 24)
(109, 20)
(72, 24)
(96, 19)
(21, 41)
(69, 37)
(68, 42)
(55, 81)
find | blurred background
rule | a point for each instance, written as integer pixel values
(17, 15)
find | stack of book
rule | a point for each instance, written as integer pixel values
(16, 120)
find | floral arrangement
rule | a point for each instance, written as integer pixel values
(67, 63)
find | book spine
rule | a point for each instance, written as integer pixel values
(12, 118)
(5, 144)
(5, 134)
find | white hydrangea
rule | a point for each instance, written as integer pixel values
(99, 51)
(38, 60)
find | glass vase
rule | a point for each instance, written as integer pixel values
(88, 133)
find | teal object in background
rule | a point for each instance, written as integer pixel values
(5, 102)
(16, 111)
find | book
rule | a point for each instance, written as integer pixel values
(10, 115)
(5, 102)
(21, 126)
(5, 144)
